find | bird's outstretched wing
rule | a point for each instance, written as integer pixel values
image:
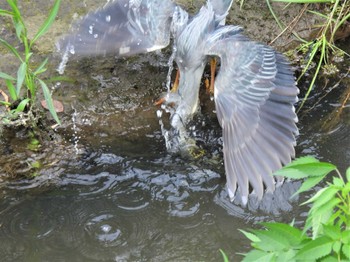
(122, 27)
(254, 95)
(221, 9)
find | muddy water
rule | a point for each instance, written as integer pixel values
(109, 191)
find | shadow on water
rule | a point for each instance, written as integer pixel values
(109, 191)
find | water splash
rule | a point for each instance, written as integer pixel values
(165, 132)
(171, 67)
(65, 57)
(76, 137)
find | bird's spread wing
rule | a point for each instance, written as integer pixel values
(221, 9)
(122, 27)
(254, 95)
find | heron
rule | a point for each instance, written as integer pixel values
(254, 90)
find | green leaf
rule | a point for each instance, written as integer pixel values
(41, 68)
(348, 174)
(321, 215)
(346, 237)
(338, 182)
(49, 101)
(327, 196)
(258, 256)
(297, 171)
(6, 13)
(6, 76)
(329, 258)
(290, 173)
(4, 104)
(313, 222)
(303, 160)
(293, 235)
(19, 29)
(337, 246)
(320, 247)
(16, 12)
(324, 194)
(346, 190)
(11, 49)
(332, 231)
(309, 183)
(335, 217)
(326, 207)
(48, 22)
(346, 250)
(224, 256)
(22, 105)
(21, 74)
(286, 255)
(270, 240)
(250, 236)
(12, 90)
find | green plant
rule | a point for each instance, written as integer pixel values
(326, 234)
(28, 75)
(319, 49)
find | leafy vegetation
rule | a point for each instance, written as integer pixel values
(319, 49)
(326, 234)
(22, 89)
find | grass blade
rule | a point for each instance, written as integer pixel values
(10, 48)
(3, 103)
(49, 101)
(6, 13)
(22, 105)
(274, 15)
(19, 29)
(12, 90)
(21, 74)
(41, 68)
(224, 256)
(13, 5)
(7, 77)
(48, 22)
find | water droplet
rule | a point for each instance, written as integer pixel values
(159, 113)
(106, 228)
(71, 49)
(108, 18)
(95, 36)
(91, 29)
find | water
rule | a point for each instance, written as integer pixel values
(123, 197)
(110, 191)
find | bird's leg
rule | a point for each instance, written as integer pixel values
(210, 86)
(173, 89)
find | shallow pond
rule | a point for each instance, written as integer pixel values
(109, 190)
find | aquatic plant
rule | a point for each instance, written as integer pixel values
(22, 90)
(319, 49)
(326, 233)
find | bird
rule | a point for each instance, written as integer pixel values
(254, 90)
